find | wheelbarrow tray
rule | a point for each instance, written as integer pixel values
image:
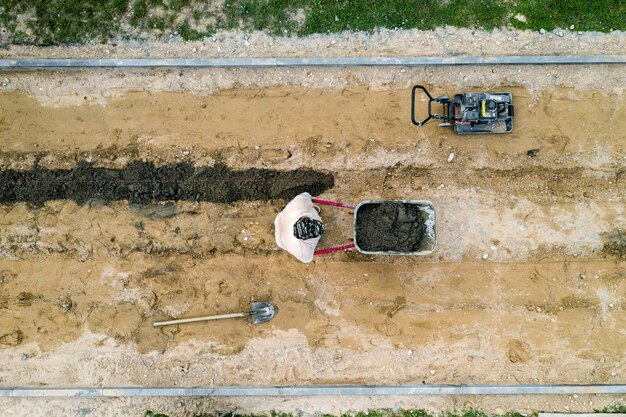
(429, 240)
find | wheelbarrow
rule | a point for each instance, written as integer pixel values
(427, 213)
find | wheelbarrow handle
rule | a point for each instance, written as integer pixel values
(332, 203)
(335, 249)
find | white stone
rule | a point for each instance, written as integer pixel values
(520, 18)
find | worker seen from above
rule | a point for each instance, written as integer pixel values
(299, 227)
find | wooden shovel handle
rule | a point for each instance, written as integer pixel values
(205, 318)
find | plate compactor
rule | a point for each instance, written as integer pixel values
(470, 113)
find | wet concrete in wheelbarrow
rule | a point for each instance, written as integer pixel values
(389, 226)
(143, 182)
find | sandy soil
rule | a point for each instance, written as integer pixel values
(522, 288)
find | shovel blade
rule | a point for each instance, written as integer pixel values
(262, 312)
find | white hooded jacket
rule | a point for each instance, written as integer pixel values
(300, 206)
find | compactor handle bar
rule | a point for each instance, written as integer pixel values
(431, 100)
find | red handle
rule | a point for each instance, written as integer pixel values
(332, 203)
(335, 249)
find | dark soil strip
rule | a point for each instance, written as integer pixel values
(615, 244)
(389, 226)
(142, 183)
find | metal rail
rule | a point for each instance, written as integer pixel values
(273, 62)
(324, 390)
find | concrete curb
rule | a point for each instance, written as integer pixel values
(327, 390)
(309, 62)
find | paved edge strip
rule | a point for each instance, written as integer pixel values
(581, 415)
(309, 62)
(323, 390)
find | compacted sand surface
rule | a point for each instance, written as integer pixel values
(527, 284)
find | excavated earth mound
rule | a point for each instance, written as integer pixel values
(142, 182)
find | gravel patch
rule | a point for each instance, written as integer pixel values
(384, 42)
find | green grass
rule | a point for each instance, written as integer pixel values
(588, 15)
(140, 11)
(152, 414)
(188, 33)
(53, 22)
(66, 21)
(467, 412)
(334, 16)
(273, 16)
(614, 409)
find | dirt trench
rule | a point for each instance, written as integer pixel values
(143, 183)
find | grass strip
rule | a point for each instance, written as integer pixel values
(56, 22)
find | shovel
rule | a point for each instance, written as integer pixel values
(260, 313)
